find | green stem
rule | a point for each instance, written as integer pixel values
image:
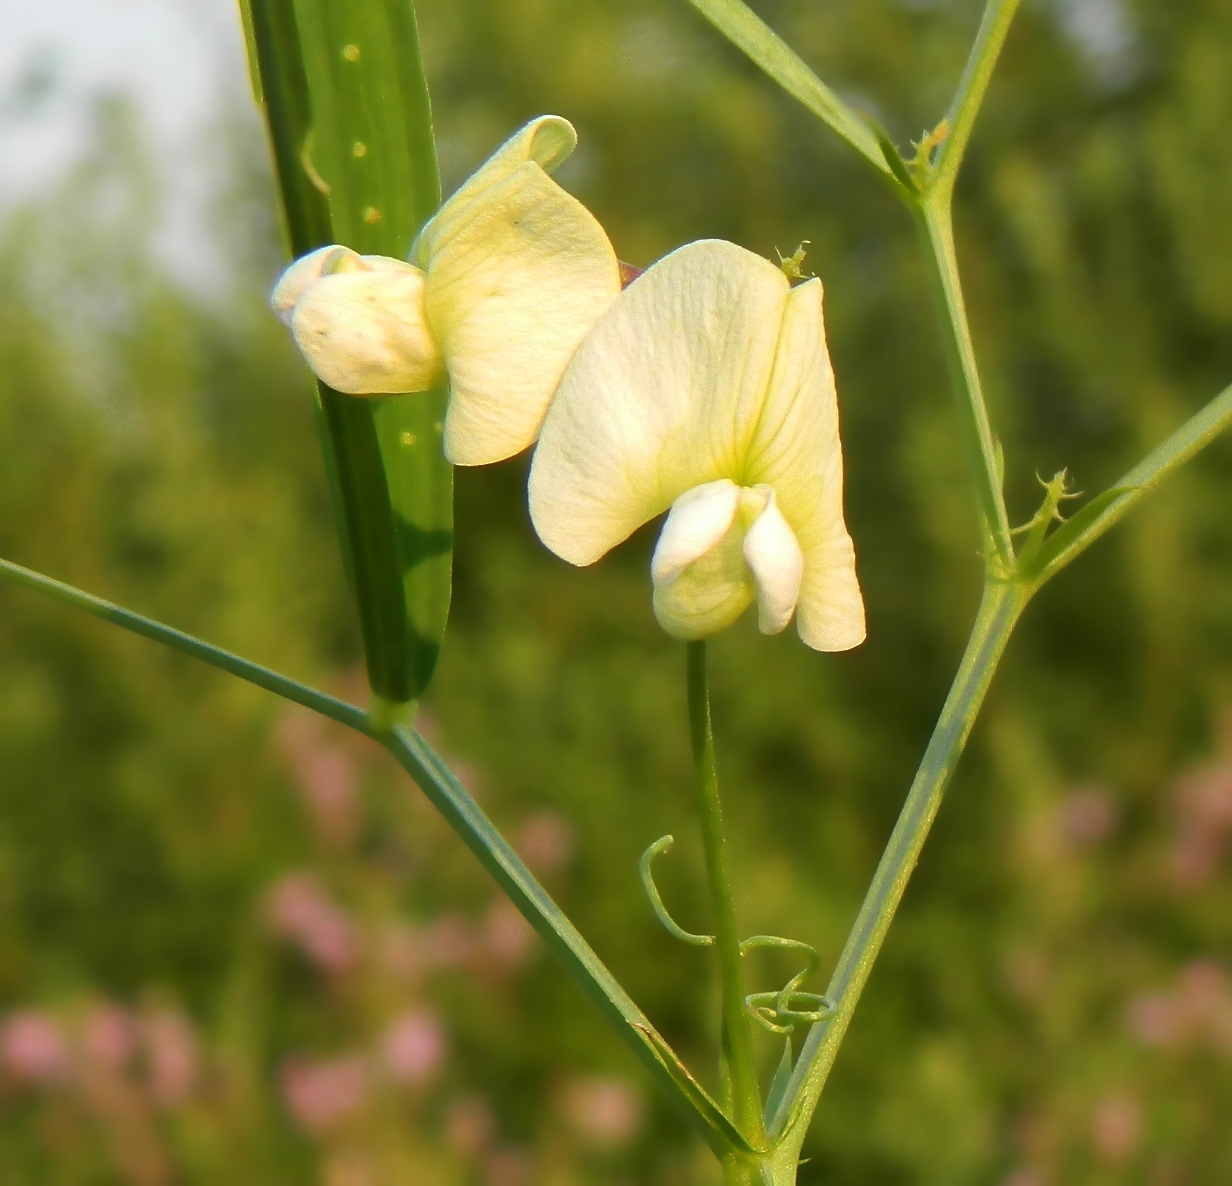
(936, 227)
(982, 61)
(999, 611)
(254, 673)
(465, 816)
(737, 1026)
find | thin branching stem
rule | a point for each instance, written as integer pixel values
(177, 640)
(936, 227)
(464, 815)
(982, 61)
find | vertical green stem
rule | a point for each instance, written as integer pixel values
(999, 612)
(737, 1028)
(936, 226)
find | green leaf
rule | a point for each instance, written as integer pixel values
(746, 30)
(464, 815)
(250, 46)
(372, 127)
(276, 60)
(350, 122)
(1101, 513)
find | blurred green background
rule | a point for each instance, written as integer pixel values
(236, 945)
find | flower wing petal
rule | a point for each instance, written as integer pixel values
(662, 395)
(363, 332)
(511, 291)
(773, 555)
(798, 452)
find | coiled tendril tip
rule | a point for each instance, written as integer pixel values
(664, 844)
(779, 1012)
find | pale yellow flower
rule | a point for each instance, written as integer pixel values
(706, 391)
(504, 282)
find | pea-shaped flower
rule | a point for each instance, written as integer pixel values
(504, 282)
(706, 391)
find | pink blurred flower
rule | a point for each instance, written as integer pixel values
(1197, 1012)
(1116, 1127)
(606, 1112)
(508, 937)
(414, 1047)
(507, 1167)
(349, 1169)
(469, 1124)
(329, 779)
(1193, 858)
(108, 1036)
(450, 941)
(546, 842)
(299, 909)
(1088, 816)
(171, 1053)
(1024, 1176)
(319, 1094)
(402, 953)
(1157, 1019)
(1202, 802)
(32, 1047)
(326, 776)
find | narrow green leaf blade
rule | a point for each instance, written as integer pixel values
(351, 127)
(409, 429)
(250, 47)
(372, 140)
(275, 57)
(748, 32)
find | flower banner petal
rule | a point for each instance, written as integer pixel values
(511, 291)
(664, 394)
(797, 451)
(545, 141)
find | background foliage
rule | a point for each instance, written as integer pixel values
(235, 944)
